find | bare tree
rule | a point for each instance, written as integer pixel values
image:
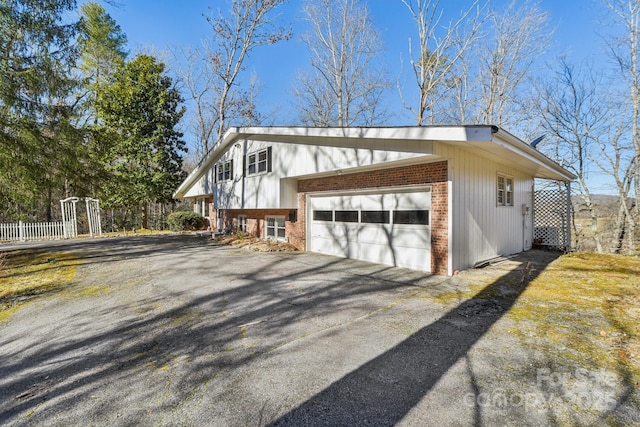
(212, 75)
(624, 50)
(249, 25)
(615, 159)
(489, 82)
(519, 36)
(438, 54)
(574, 114)
(197, 83)
(346, 81)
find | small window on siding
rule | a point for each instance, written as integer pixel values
(375, 217)
(323, 215)
(347, 216)
(258, 162)
(224, 171)
(505, 191)
(419, 217)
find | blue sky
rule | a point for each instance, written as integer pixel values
(153, 26)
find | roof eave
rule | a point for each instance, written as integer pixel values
(230, 136)
(534, 155)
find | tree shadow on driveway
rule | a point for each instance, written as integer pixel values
(385, 389)
(196, 342)
(86, 351)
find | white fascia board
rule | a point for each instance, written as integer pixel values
(431, 133)
(521, 148)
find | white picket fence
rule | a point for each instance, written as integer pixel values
(23, 231)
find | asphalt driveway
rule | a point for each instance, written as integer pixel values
(181, 331)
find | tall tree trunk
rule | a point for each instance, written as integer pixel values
(49, 201)
(620, 229)
(594, 218)
(145, 216)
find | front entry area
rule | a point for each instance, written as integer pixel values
(391, 228)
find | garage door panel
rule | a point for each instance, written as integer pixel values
(369, 238)
(345, 203)
(344, 231)
(375, 202)
(411, 237)
(322, 245)
(381, 254)
(414, 258)
(323, 203)
(375, 234)
(334, 239)
(410, 201)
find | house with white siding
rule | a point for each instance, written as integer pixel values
(434, 198)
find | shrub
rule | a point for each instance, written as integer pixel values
(185, 220)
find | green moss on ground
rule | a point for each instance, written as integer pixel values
(26, 275)
(585, 308)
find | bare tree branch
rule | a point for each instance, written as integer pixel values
(438, 54)
(347, 81)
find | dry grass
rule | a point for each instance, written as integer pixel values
(25, 275)
(135, 232)
(585, 308)
(256, 244)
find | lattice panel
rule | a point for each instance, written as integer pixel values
(552, 219)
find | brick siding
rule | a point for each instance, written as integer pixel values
(434, 174)
(256, 222)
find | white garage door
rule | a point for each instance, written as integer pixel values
(388, 228)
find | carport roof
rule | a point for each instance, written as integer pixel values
(487, 140)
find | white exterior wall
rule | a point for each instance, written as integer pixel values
(277, 189)
(203, 187)
(479, 229)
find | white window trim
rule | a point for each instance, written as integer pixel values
(221, 170)
(508, 195)
(257, 162)
(242, 227)
(203, 207)
(276, 228)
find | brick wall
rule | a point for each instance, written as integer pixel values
(435, 174)
(256, 222)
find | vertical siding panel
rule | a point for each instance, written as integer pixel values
(481, 229)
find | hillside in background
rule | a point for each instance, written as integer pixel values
(606, 209)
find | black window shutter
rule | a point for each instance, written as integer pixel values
(231, 170)
(215, 173)
(269, 168)
(244, 165)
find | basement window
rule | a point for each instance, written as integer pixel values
(274, 228)
(505, 190)
(242, 223)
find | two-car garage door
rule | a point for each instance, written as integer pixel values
(385, 228)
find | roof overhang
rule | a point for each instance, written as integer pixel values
(505, 146)
(490, 140)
